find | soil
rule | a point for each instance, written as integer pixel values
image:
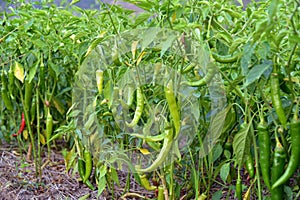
(18, 180)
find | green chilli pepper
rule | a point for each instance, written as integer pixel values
(264, 152)
(28, 94)
(88, 164)
(249, 165)
(294, 161)
(238, 188)
(277, 170)
(81, 168)
(139, 108)
(276, 101)
(167, 144)
(173, 108)
(145, 182)
(227, 58)
(211, 69)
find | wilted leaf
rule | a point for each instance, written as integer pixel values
(108, 92)
(69, 157)
(247, 194)
(58, 105)
(42, 139)
(25, 134)
(140, 57)
(202, 197)
(99, 80)
(144, 151)
(19, 71)
(133, 48)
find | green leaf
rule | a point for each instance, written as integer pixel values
(148, 37)
(32, 71)
(143, 4)
(256, 72)
(114, 176)
(294, 38)
(214, 131)
(102, 179)
(55, 68)
(101, 185)
(165, 45)
(273, 9)
(241, 145)
(217, 152)
(235, 44)
(246, 59)
(95, 43)
(224, 172)
(108, 92)
(142, 18)
(28, 25)
(103, 171)
(84, 197)
(217, 195)
(40, 44)
(74, 2)
(240, 2)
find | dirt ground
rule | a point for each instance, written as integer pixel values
(18, 180)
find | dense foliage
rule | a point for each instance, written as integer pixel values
(253, 52)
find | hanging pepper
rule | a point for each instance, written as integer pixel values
(238, 187)
(22, 126)
(4, 93)
(294, 161)
(275, 95)
(28, 94)
(264, 152)
(249, 165)
(277, 170)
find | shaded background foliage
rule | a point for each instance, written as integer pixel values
(244, 45)
(94, 3)
(83, 4)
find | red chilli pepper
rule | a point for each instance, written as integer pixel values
(22, 126)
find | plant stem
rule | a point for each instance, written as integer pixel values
(171, 187)
(27, 119)
(38, 130)
(256, 161)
